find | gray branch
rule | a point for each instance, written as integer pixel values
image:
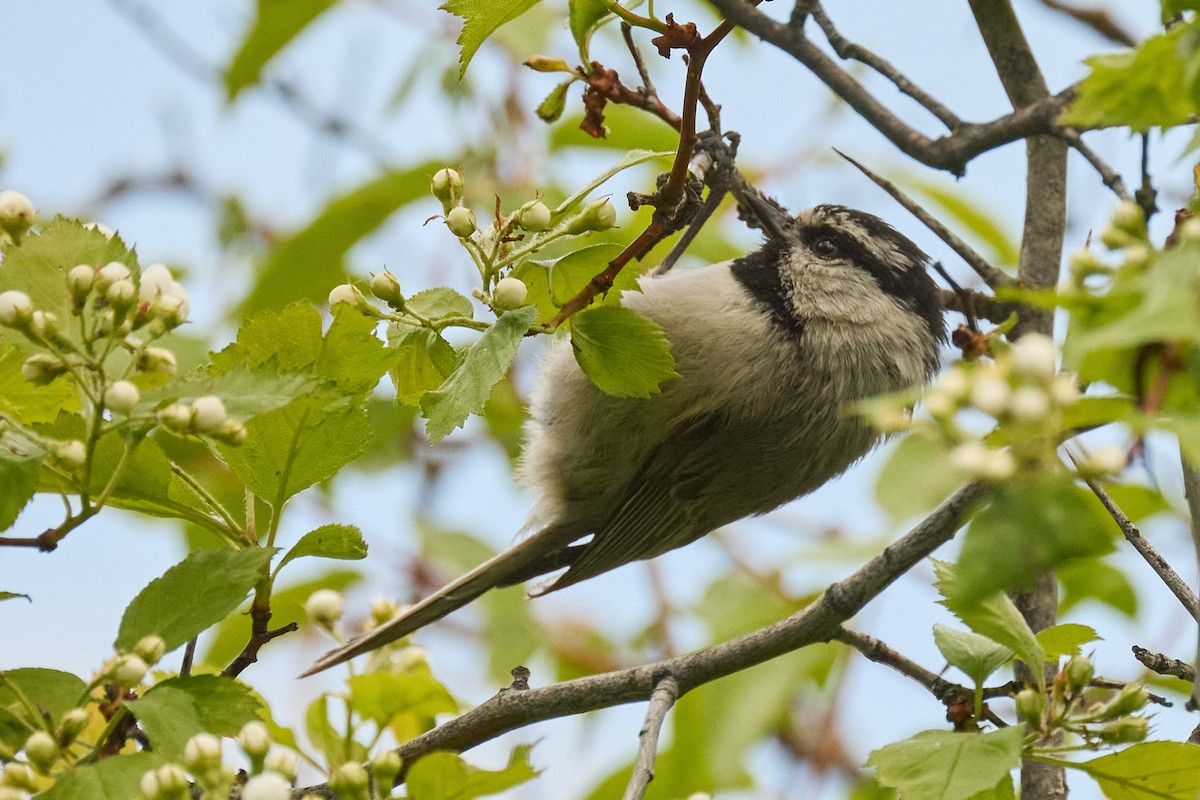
(664, 696)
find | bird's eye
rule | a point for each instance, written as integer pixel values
(825, 247)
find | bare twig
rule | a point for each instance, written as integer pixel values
(260, 634)
(990, 275)
(1108, 175)
(1157, 662)
(880, 653)
(1097, 19)
(661, 699)
(189, 655)
(1191, 486)
(1169, 576)
(817, 622)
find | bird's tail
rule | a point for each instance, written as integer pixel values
(512, 566)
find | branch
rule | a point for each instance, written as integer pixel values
(983, 306)
(664, 696)
(260, 634)
(880, 653)
(1152, 557)
(1191, 486)
(1157, 662)
(818, 622)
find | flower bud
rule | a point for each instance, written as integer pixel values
(989, 393)
(71, 454)
(155, 282)
(385, 286)
(150, 649)
(109, 274)
(41, 369)
(413, 657)
(509, 293)
(208, 414)
(255, 739)
(971, 457)
(267, 786)
(16, 309)
(149, 785)
(349, 780)
(939, 404)
(121, 295)
(1033, 357)
(548, 64)
(44, 325)
(1124, 731)
(170, 309)
(129, 670)
(16, 213)
(534, 216)
(41, 750)
(172, 781)
(461, 221)
(231, 431)
(1115, 238)
(383, 609)
(324, 607)
(79, 282)
(1129, 217)
(1079, 672)
(157, 359)
(1132, 697)
(17, 775)
(121, 397)
(1063, 390)
(385, 768)
(1029, 404)
(1000, 465)
(1189, 231)
(1083, 262)
(176, 417)
(349, 294)
(72, 724)
(1107, 460)
(954, 383)
(1031, 704)
(1137, 257)
(598, 215)
(202, 753)
(447, 186)
(282, 762)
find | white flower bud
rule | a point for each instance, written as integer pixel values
(155, 281)
(1029, 404)
(109, 274)
(80, 280)
(383, 609)
(349, 777)
(71, 454)
(989, 393)
(447, 186)
(1107, 460)
(971, 457)
(121, 295)
(121, 396)
(1033, 356)
(1129, 217)
(385, 286)
(172, 780)
(202, 752)
(157, 359)
(324, 607)
(954, 383)
(150, 649)
(254, 738)
(267, 786)
(175, 417)
(102, 229)
(282, 762)
(350, 295)
(170, 309)
(461, 221)
(16, 213)
(41, 750)
(999, 465)
(16, 309)
(231, 431)
(509, 293)
(72, 724)
(208, 413)
(129, 670)
(598, 215)
(44, 324)
(1115, 238)
(412, 657)
(939, 404)
(1189, 231)
(1063, 390)
(1137, 256)
(41, 369)
(534, 216)
(149, 785)
(18, 775)
(1083, 262)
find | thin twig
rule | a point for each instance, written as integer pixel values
(880, 653)
(664, 696)
(1107, 174)
(1163, 665)
(990, 275)
(1169, 576)
(1191, 486)
(189, 655)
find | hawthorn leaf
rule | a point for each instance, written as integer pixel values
(341, 542)
(423, 362)
(447, 776)
(115, 778)
(1066, 639)
(943, 765)
(174, 710)
(977, 656)
(481, 18)
(622, 352)
(276, 23)
(1148, 771)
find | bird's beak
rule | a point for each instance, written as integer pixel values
(774, 222)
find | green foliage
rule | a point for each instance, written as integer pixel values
(115, 778)
(21, 400)
(916, 477)
(176, 709)
(405, 703)
(20, 464)
(423, 362)
(1067, 639)
(554, 281)
(192, 596)
(1158, 770)
(30, 695)
(585, 17)
(276, 23)
(622, 352)
(446, 776)
(480, 19)
(977, 656)
(939, 765)
(341, 542)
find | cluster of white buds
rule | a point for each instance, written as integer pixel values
(1127, 234)
(272, 771)
(16, 782)
(204, 416)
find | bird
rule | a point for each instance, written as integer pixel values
(771, 350)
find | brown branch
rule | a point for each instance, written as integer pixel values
(1097, 19)
(1169, 576)
(816, 623)
(260, 634)
(661, 699)
(1107, 174)
(875, 650)
(1191, 487)
(1157, 662)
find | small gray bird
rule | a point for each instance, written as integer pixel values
(770, 349)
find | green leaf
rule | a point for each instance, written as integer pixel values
(446, 776)
(977, 656)
(383, 696)
(552, 107)
(995, 617)
(307, 264)
(276, 24)
(13, 596)
(1027, 529)
(585, 16)
(336, 748)
(916, 477)
(480, 19)
(1148, 771)
(291, 448)
(439, 303)
(630, 159)
(1066, 639)
(352, 356)
(342, 542)
(1150, 86)
(940, 765)
(623, 353)
(283, 340)
(1093, 578)
(20, 466)
(630, 129)
(24, 402)
(423, 361)
(176, 709)
(552, 282)
(192, 595)
(116, 778)
(51, 692)
(466, 391)
(1137, 501)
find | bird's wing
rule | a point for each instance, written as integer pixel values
(659, 509)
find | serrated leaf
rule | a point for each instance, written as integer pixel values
(276, 23)
(1028, 529)
(423, 362)
(440, 302)
(940, 765)
(115, 778)
(466, 391)
(24, 402)
(554, 281)
(916, 476)
(1148, 771)
(291, 448)
(192, 596)
(623, 353)
(977, 656)
(446, 776)
(1066, 639)
(382, 696)
(352, 356)
(341, 542)
(305, 265)
(995, 617)
(480, 19)
(51, 692)
(274, 340)
(553, 105)
(176, 709)
(20, 466)
(585, 16)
